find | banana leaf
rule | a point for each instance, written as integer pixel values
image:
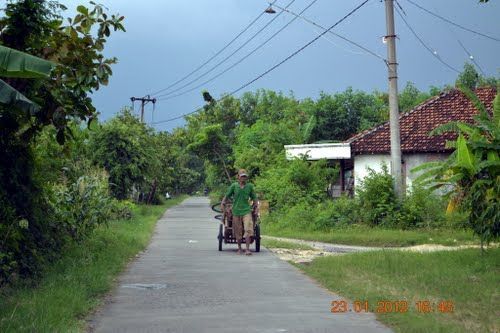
(18, 64)
(465, 158)
(11, 96)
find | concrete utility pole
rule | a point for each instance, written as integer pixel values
(144, 100)
(393, 99)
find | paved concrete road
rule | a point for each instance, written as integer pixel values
(183, 284)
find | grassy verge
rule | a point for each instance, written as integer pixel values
(73, 286)
(363, 235)
(465, 278)
(273, 243)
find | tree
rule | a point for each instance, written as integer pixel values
(124, 147)
(181, 171)
(468, 78)
(74, 60)
(410, 97)
(259, 146)
(37, 28)
(211, 145)
(341, 115)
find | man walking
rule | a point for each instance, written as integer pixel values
(241, 193)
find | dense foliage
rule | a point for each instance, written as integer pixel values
(124, 148)
(30, 232)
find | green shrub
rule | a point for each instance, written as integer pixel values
(457, 220)
(27, 237)
(421, 208)
(290, 182)
(377, 198)
(121, 210)
(339, 212)
(306, 216)
(297, 217)
(82, 205)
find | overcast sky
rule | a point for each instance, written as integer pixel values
(165, 40)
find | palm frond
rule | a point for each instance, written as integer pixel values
(465, 158)
(474, 99)
(488, 164)
(450, 144)
(452, 126)
(496, 110)
(306, 134)
(467, 129)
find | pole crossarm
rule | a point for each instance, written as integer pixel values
(144, 100)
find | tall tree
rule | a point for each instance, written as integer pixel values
(36, 28)
(468, 78)
(124, 147)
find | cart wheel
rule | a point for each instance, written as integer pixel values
(257, 238)
(220, 237)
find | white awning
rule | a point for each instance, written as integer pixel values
(314, 152)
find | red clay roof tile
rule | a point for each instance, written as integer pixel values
(416, 124)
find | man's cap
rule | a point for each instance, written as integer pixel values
(242, 172)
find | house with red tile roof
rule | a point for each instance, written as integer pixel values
(371, 148)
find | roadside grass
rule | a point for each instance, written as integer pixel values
(364, 235)
(74, 285)
(467, 278)
(273, 243)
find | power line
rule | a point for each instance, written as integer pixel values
(333, 33)
(237, 62)
(453, 23)
(471, 57)
(215, 55)
(226, 58)
(431, 51)
(276, 65)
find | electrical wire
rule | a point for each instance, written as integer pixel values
(212, 57)
(318, 31)
(431, 51)
(471, 57)
(333, 33)
(227, 57)
(453, 23)
(170, 96)
(293, 54)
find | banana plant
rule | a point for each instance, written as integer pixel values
(470, 176)
(17, 64)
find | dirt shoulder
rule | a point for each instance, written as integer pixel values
(320, 249)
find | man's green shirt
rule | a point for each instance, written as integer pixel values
(240, 197)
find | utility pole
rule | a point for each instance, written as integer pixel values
(144, 100)
(393, 99)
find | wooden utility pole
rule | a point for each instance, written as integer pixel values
(144, 100)
(390, 38)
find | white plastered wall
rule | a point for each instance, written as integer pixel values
(414, 160)
(362, 162)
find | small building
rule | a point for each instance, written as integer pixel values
(371, 148)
